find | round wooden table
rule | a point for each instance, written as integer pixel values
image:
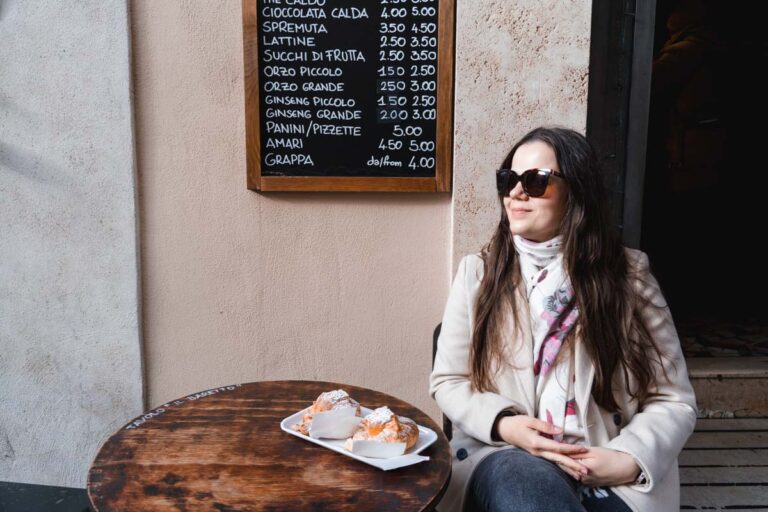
(223, 450)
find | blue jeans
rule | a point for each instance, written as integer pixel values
(516, 480)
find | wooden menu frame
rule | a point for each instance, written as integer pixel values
(441, 182)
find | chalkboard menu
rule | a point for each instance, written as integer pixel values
(345, 95)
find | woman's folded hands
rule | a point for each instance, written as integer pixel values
(591, 465)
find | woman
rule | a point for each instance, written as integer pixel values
(558, 361)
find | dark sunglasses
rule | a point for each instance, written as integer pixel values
(534, 181)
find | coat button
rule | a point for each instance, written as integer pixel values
(461, 454)
(617, 419)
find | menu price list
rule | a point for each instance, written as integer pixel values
(348, 88)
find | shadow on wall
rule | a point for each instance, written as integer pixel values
(33, 166)
(23, 161)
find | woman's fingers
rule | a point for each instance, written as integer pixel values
(543, 426)
(566, 462)
(565, 448)
(571, 472)
(551, 444)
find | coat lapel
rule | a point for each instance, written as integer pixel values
(524, 357)
(585, 374)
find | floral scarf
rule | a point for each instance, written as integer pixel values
(553, 315)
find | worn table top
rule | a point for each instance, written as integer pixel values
(223, 449)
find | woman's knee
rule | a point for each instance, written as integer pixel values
(519, 467)
(513, 479)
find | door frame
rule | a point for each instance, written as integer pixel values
(619, 94)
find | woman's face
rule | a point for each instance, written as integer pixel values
(536, 218)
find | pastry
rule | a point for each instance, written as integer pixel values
(328, 401)
(385, 426)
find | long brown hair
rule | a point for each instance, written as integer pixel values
(609, 322)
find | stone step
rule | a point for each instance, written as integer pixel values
(730, 387)
(724, 465)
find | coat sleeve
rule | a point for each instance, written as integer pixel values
(656, 434)
(471, 411)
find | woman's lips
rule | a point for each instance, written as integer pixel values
(519, 210)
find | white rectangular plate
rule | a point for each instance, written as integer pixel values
(427, 436)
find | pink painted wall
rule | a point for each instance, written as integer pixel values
(240, 286)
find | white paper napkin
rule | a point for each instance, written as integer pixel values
(334, 424)
(399, 462)
(375, 449)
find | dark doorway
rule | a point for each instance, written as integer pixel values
(702, 220)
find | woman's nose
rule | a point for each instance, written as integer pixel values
(517, 191)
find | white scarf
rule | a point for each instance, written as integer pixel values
(553, 315)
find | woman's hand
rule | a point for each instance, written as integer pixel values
(523, 431)
(607, 467)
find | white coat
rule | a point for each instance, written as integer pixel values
(654, 432)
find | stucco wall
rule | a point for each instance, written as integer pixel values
(519, 64)
(241, 286)
(70, 361)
